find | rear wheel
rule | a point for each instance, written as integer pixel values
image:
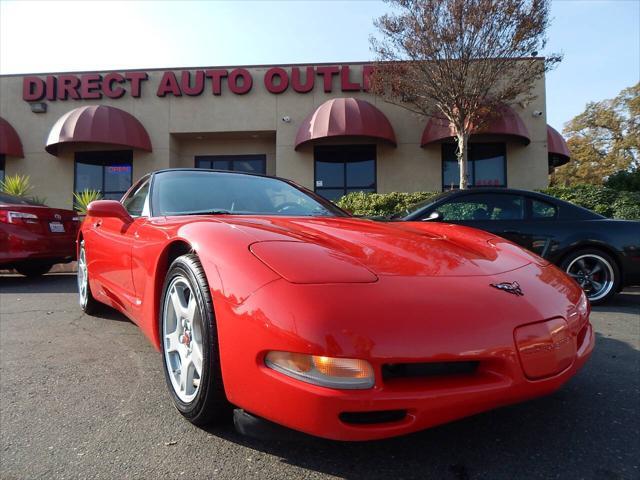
(189, 342)
(88, 304)
(34, 270)
(595, 271)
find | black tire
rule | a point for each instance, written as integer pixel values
(88, 303)
(608, 270)
(33, 270)
(210, 402)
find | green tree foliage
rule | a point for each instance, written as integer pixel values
(603, 140)
(625, 180)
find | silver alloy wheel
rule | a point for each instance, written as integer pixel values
(83, 279)
(182, 336)
(594, 274)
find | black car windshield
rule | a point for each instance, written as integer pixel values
(419, 206)
(203, 192)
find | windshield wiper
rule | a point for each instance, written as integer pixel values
(208, 212)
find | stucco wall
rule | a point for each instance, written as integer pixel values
(246, 124)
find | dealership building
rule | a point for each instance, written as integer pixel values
(314, 124)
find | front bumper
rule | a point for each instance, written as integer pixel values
(362, 322)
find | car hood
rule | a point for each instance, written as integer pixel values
(389, 248)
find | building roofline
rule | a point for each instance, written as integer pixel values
(163, 69)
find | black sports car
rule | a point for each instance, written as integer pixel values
(601, 254)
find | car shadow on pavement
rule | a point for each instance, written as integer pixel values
(629, 298)
(51, 283)
(587, 429)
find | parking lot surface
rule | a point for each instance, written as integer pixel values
(84, 397)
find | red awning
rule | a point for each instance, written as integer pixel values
(557, 147)
(98, 124)
(10, 143)
(345, 117)
(504, 123)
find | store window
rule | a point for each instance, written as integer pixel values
(487, 164)
(234, 163)
(107, 172)
(343, 169)
(2, 167)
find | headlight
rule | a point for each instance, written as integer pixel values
(342, 373)
(583, 306)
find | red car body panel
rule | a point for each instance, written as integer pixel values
(25, 242)
(388, 293)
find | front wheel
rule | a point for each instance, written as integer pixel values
(34, 270)
(88, 304)
(189, 340)
(595, 271)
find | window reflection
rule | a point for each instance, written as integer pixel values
(234, 163)
(486, 164)
(108, 172)
(342, 169)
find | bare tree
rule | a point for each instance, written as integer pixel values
(459, 60)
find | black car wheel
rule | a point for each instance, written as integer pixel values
(595, 271)
(189, 342)
(34, 270)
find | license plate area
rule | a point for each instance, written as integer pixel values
(56, 227)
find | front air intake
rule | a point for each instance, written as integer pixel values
(391, 371)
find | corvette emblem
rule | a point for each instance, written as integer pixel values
(513, 287)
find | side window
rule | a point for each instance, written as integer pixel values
(463, 210)
(137, 203)
(484, 207)
(542, 210)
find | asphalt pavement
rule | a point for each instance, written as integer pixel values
(85, 397)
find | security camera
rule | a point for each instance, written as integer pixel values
(286, 119)
(537, 113)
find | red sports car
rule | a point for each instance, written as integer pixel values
(262, 295)
(34, 237)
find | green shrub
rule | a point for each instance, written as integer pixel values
(17, 185)
(625, 180)
(380, 204)
(81, 200)
(605, 201)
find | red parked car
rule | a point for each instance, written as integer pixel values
(263, 295)
(34, 237)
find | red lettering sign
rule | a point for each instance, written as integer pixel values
(92, 86)
(282, 83)
(237, 87)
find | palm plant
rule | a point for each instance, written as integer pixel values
(81, 200)
(17, 185)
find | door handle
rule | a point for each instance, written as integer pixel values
(97, 224)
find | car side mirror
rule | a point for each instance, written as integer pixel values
(433, 217)
(108, 209)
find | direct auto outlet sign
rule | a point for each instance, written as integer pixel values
(276, 80)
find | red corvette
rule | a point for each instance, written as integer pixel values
(34, 237)
(262, 295)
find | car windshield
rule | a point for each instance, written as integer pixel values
(189, 192)
(418, 206)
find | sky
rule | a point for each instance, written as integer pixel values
(600, 39)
